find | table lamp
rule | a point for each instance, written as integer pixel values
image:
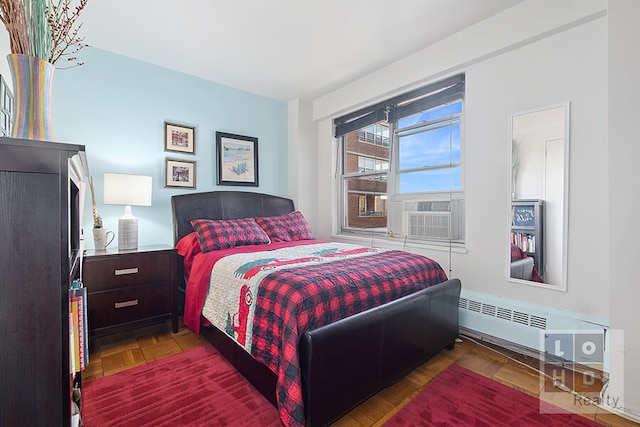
(127, 190)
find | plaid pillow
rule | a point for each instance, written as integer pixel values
(222, 234)
(286, 228)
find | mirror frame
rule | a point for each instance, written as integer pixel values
(565, 197)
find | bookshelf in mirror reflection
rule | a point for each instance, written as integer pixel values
(527, 229)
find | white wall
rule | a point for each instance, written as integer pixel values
(538, 53)
(302, 164)
(624, 193)
(522, 59)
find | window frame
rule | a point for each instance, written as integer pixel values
(392, 115)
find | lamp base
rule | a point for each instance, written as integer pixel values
(127, 233)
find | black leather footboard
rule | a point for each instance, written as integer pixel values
(346, 362)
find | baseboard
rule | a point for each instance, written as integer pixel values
(509, 345)
(605, 401)
(530, 352)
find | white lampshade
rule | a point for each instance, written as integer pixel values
(127, 190)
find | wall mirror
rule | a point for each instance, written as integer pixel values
(539, 148)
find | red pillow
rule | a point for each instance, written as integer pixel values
(188, 247)
(286, 228)
(223, 234)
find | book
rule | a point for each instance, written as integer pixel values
(76, 334)
(84, 327)
(79, 308)
(72, 348)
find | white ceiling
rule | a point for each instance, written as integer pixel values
(280, 49)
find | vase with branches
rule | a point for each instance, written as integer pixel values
(45, 29)
(43, 36)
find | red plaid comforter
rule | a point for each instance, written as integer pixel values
(291, 300)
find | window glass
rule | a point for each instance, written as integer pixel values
(366, 203)
(414, 161)
(431, 146)
(430, 180)
(429, 152)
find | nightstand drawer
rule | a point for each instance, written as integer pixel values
(116, 272)
(128, 305)
(130, 288)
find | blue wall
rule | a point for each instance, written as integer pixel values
(117, 106)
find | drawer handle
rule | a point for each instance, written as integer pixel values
(126, 271)
(127, 303)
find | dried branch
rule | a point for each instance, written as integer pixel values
(46, 29)
(13, 17)
(97, 221)
(65, 31)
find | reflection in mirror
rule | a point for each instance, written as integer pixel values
(539, 183)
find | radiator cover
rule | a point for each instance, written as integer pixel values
(520, 323)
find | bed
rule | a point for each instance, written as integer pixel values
(337, 351)
(523, 266)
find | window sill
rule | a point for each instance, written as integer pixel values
(398, 242)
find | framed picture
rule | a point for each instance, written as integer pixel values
(179, 138)
(237, 159)
(179, 173)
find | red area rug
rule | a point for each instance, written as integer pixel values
(459, 397)
(197, 387)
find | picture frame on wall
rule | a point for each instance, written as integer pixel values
(179, 138)
(179, 173)
(237, 159)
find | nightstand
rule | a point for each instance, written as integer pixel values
(129, 289)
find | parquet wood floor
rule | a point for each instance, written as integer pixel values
(118, 352)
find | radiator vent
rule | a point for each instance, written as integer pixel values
(503, 313)
(538, 322)
(489, 310)
(520, 317)
(475, 306)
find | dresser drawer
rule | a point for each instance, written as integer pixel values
(128, 305)
(114, 271)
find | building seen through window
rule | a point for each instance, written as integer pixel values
(367, 153)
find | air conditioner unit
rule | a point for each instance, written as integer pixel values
(435, 225)
(431, 219)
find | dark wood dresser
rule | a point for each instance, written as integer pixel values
(38, 262)
(129, 289)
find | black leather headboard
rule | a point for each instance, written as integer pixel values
(223, 205)
(220, 205)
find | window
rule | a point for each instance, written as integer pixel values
(6, 108)
(402, 165)
(375, 134)
(367, 164)
(371, 205)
